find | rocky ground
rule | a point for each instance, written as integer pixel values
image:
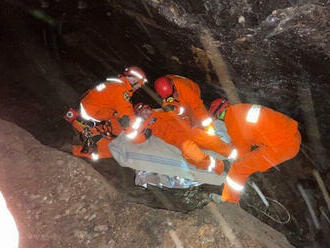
(61, 201)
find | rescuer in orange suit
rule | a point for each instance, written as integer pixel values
(264, 138)
(170, 127)
(185, 94)
(110, 101)
(188, 126)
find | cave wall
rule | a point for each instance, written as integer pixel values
(277, 52)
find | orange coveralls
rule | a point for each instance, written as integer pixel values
(178, 132)
(111, 101)
(185, 130)
(187, 94)
(102, 144)
(263, 137)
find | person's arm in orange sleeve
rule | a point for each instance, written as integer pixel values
(237, 137)
(199, 112)
(133, 126)
(237, 130)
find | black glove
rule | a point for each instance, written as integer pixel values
(226, 165)
(147, 133)
(124, 121)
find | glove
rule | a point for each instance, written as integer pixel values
(226, 165)
(147, 133)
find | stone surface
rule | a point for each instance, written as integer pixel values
(278, 56)
(91, 213)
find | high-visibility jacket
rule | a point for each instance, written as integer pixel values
(178, 132)
(263, 137)
(111, 101)
(188, 95)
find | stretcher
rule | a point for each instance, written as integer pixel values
(160, 164)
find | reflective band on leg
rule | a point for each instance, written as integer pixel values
(236, 186)
(212, 164)
(253, 113)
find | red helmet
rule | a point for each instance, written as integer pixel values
(136, 76)
(163, 87)
(218, 106)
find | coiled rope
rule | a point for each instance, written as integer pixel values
(264, 212)
(266, 201)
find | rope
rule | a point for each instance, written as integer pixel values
(261, 195)
(266, 202)
(269, 215)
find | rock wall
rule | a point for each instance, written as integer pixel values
(276, 53)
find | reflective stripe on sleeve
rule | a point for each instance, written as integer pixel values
(84, 114)
(212, 164)
(135, 73)
(113, 79)
(137, 123)
(181, 110)
(253, 113)
(207, 122)
(100, 87)
(234, 185)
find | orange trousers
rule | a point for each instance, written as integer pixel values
(190, 141)
(260, 160)
(199, 139)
